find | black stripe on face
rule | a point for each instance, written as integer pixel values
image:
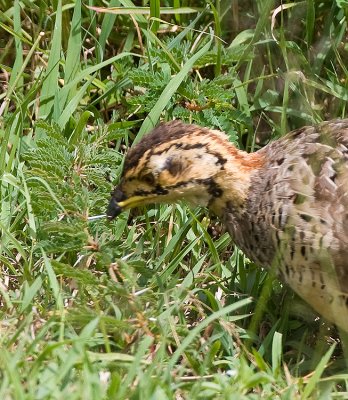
(159, 191)
(212, 187)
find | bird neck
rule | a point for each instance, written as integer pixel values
(235, 179)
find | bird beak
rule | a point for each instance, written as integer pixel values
(115, 206)
(113, 210)
(119, 203)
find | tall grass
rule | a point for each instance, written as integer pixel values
(158, 303)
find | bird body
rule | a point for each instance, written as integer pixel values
(285, 206)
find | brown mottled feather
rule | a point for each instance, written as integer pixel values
(295, 218)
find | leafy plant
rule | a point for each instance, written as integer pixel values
(156, 303)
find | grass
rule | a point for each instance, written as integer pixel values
(157, 304)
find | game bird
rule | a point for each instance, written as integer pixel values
(285, 205)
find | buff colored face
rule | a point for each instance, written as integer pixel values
(174, 162)
(166, 172)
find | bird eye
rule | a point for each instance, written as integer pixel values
(148, 178)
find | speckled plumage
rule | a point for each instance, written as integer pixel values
(285, 206)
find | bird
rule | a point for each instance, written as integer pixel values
(284, 205)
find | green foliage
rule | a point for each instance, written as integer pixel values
(156, 303)
(67, 183)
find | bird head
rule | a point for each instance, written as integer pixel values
(175, 161)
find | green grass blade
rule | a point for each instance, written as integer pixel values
(106, 28)
(154, 115)
(19, 51)
(314, 380)
(30, 292)
(140, 11)
(72, 62)
(77, 134)
(30, 213)
(310, 22)
(134, 368)
(86, 73)
(276, 353)
(154, 13)
(50, 85)
(54, 285)
(202, 325)
(13, 374)
(70, 108)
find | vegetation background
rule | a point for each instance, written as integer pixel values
(157, 304)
